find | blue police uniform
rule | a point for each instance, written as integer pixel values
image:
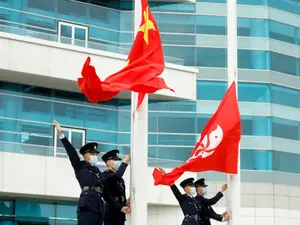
(207, 203)
(115, 186)
(90, 209)
(189, 205)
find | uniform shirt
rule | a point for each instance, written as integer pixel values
(87, 176)
(188, 204)
(206, 206)
(115, 195)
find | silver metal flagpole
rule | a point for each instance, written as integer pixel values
(139, 146)
(234, 181)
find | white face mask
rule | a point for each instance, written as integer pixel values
(193, 191)
(93, 160)
(117, 164)
(204, 191)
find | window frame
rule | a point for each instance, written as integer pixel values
(73, 26)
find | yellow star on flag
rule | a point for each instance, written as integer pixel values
(127, 63)
(148, 25)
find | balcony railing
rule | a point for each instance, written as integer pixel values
(46, 28)
(30, 149)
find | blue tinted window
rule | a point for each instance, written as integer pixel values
(202, 120)
(211, 57)
(175, 23)
(6, 207)
(73, 11)
(285, 96)
(66, 210)
(248, 92)
(256, 159)
(170, 153)
(101, 136)
(104, 35)
(35, 208)
(290, 6)
(253, 92)
(38, 6)
(176, 122)
(104, 17)
(204, 90)
(282, 32)
(178, 39)
(252, 27)
(101, 119)
(176, 139)
(124, 121)
(36, 110)
(210, 24)
(9, 106)
(284, 63)
(124, 138)
(253, 2)
(172, 7)
(286, 162)
(215, 1)
(188, 106)
(256, 125)
(187, 54)
(253, 59)
(285, 129)
(126, 21)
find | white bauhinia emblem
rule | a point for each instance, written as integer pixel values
(208, 145)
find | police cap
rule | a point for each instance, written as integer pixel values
(111, 155)
(89, 147)
(200, 183)
(187, 182)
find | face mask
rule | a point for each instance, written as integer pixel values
(204, 191)
(117, 164)
(93, 160)
(193, 191)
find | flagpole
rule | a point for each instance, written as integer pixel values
(139, 146)
(233, 180)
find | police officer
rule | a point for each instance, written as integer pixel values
(189, 206)
(90, 205)
(116, 204)
(206, 203)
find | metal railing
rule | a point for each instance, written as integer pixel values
(108, 38)
(21, 148)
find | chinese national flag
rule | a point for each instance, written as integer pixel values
(140, 74)
(218, 146)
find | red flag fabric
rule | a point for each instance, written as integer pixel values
(218, 146)
(144, 63)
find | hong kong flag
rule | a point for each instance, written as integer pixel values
(218, 146)
(144, 64)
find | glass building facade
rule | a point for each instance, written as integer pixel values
(193, 34)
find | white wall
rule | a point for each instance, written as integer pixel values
(54, 65)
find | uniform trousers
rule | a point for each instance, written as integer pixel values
(86, 217)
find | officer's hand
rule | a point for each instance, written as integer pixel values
(128, 202)
(162, 170)
(58, 128)
(127, 159)
(126, 210)
(224, 188)
(226, 216)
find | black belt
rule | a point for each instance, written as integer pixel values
(96, 189)
(119, 198)
(195, 217)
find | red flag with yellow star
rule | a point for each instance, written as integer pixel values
(144, 64)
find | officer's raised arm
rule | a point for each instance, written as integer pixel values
(72, 153)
